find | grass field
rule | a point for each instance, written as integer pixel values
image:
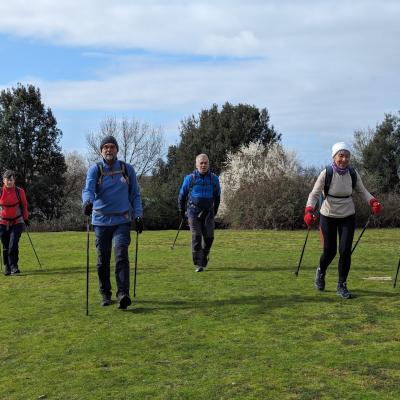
(246, 328)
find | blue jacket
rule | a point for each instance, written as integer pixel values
(200, 193)
(112, 204)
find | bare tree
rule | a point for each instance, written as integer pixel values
(140, 144)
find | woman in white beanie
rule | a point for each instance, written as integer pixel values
(337, 214)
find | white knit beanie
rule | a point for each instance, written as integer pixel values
(339, 146)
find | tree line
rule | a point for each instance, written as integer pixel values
(263, 185)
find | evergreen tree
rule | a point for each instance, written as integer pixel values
(218, 132)
(29, 145)
(378, 154)
(214, 132)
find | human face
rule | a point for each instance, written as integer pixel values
(202, 165)
(9, 182)
(342, 159)
(109, 152)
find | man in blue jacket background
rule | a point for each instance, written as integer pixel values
(199, 198)
(112, 195)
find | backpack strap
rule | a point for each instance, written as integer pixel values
(329, 175)
(328, 179)
(101, 174)
(353, 175)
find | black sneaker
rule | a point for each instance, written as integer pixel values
(15, 271)
(319, 280)
(199, 269)
(106, 300)
(342, 291)
(7, 272)
(124, 301)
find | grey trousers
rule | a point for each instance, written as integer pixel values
(202, 238)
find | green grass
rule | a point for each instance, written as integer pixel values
(247, 328)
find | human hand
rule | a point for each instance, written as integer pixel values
(139, 224)
(87, 208)
(376, 207)
(309, 216)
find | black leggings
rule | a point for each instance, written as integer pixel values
(330, 227)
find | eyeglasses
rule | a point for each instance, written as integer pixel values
(109, 147)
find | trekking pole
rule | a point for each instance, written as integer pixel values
(177, 233)
(37, 258)
(136, 254)
(397, 273)
(1, 256)
(362, 232)
(87, 265)
(302, 252)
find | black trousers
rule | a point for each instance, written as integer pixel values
(202, 229)
(331, 228)
(10, 239)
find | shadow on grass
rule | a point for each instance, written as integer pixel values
(60, 271)
(373, 293)
(78, 270)
(269, 302)
(254, 269)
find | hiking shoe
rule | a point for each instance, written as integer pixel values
(106, 300)
(124, 301)
(342, 291)
(199, 269)
(319, 280)
(7, 272)
(15, 271)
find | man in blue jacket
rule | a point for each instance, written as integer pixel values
(112, 196)
(199, 198)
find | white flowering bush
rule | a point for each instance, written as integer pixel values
(263, 187)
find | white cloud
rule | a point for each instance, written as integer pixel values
(200, 27)
(322, 68)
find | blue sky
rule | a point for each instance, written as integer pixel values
(322, 69)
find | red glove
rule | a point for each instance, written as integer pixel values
(376, 207)
(309, 216)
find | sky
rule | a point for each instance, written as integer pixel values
(323, 69)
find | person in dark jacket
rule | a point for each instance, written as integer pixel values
(112, 196)
(199, 198)
(13, 218)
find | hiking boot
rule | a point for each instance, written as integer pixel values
(319, 280)
(342, 291)
(124, 301)
(7, 272)
(15, 270)
(199, 269)
(106, 300)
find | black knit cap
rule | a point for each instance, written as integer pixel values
(8, 174)
(109, 139)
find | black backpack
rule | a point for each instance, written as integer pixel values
(329, 175)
